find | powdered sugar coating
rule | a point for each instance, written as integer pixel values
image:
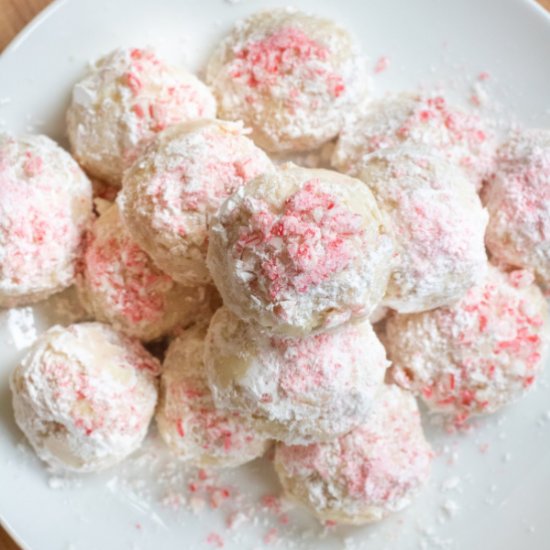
(294, 389)
(288, 75)
(518, 200)
(120, 285)
(170, 194)
(84, 396)
(186, 417)
(477, 355)
(300, 251)
(45, 205)
(128, 96)
(438, 224)
(367, 474)
(418, 119)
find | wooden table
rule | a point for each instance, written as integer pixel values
(14, 14)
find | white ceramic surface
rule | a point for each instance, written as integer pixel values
(490, 488)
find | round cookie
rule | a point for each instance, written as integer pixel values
(477, 355)
(518, 200)
(186, 416)
(45, 206)
(84, 396)
(438, 223)
(294, 389)
(290, 76)
(128, 96)
(417, 119)
(120, 285)
(300, 251)
(170, 194)
(365, 475)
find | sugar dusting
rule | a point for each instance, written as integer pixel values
(368, 473)
(187, 418)
(123, 102)
(170, 220)
(165, 490)
(478, 354)
(45, 198)
(84, 396)
(289, 76)
(244, 508)
(295, 390)
(165, 494)
(20, 326)
(268, 258)
(518, 200)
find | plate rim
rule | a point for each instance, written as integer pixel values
(29, 28)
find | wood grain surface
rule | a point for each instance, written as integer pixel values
(14, 15)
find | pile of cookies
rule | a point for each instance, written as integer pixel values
(265, 277)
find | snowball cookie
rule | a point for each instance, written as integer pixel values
(369, 473)
(288, 75)
(300, 251)
(120, 285)
(45, 206)
(170, 194)
(439, 226)
(294, 389)
(84, 396)
(417, 119)
(518, 200)
(127, 97)
(186, 417)
(477, 355)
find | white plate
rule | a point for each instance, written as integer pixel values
(490, 488)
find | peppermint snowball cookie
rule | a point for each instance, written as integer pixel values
(300, 251)
(518, 200)
(120, 285)
(294, 389)
(477, 355)
(365, 475)
(84, 396)
(438, 224)
(186, 417)
(127, 97)
(45, 207)
(417, 119)
(289, 76)
(171, 193)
